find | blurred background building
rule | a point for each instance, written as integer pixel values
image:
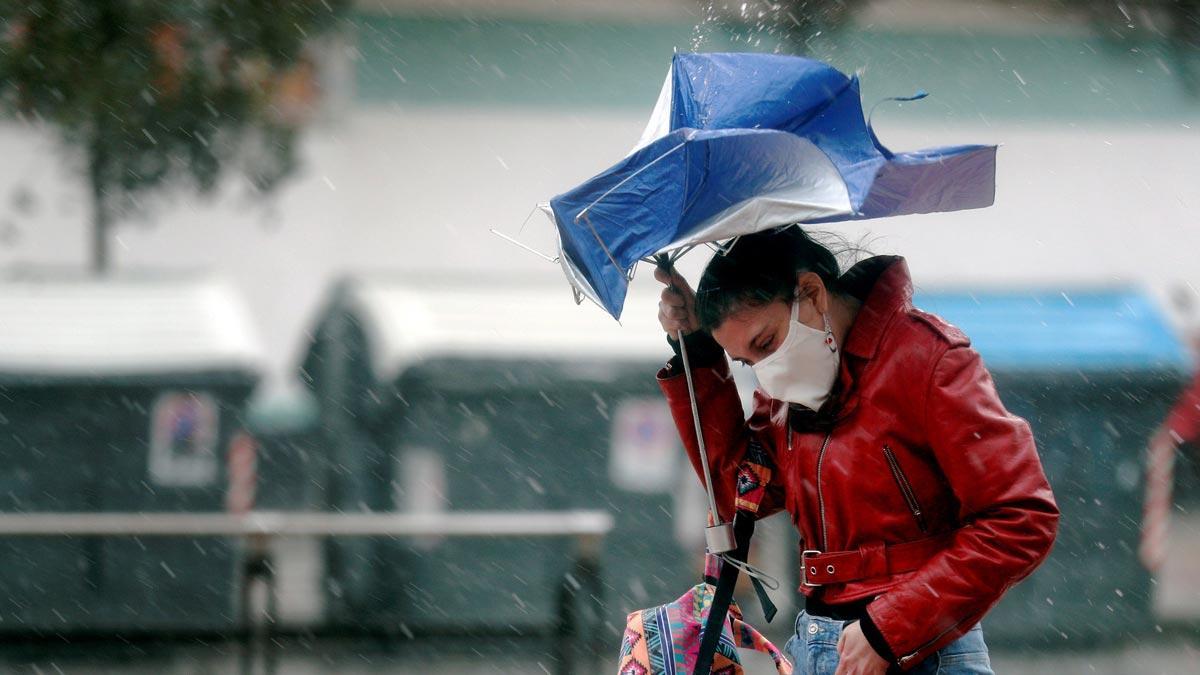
(442, 119)
(438, 120)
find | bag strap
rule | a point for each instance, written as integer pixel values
(748, 637)
(754, 476)
(714, 624)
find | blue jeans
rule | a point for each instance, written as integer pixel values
(813, 650)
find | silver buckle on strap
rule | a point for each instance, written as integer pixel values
(805, 571)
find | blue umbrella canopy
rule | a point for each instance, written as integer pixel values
(740, 143)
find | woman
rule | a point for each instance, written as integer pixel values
(919, 499)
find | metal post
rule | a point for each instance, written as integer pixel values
(257, 619)
(245, 611)
(566, 629)
(579, 635)
(591, 593)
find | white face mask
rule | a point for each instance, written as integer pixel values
(804, 367)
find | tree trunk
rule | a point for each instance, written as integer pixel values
(109, 24)
(1185, 43)
(101, 218)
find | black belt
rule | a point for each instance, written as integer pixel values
(842, 611)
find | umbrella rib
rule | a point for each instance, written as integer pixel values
(532, 250)
(527, 247)
(584, 213)
(603, 247)
(673, 255)
(628, 178)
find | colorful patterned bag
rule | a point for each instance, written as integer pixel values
(665, 640)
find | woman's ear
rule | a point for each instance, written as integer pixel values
(809, 285)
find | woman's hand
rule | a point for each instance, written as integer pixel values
(677, 307)
(856, 655)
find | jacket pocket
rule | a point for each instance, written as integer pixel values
(910, 497)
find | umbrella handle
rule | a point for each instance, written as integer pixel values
(719, 536)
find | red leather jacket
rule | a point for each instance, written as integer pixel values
(1184, 418)
(922, 451)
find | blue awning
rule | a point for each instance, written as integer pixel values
(1093, 330)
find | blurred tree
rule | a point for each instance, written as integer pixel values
(793, 23)
(157, 93)
(1174, 24)
(1133, 21)
(1123, 23)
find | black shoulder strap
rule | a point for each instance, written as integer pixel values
(754, 475)
(743, 528)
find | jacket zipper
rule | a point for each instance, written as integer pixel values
(905, 488)
(903, 660)
(820, 495)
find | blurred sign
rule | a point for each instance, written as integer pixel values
(645, 446)
(183, 439)
(243, 473)
(422, 488)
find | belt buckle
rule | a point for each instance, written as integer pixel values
(804, 569)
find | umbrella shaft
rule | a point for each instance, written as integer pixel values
(708, 484)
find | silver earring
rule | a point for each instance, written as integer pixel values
(829, 341)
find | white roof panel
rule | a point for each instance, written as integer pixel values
(407, 323)
(124, 326)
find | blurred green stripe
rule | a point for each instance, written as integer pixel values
(973, 77)
(614, 65)
(494, 62)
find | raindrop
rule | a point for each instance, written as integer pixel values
(535, 486)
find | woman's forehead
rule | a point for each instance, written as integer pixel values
(746, 313)
(749, 317)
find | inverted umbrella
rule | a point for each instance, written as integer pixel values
(740, 143)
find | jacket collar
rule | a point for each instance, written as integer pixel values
(883, 285)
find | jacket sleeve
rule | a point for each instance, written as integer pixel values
(1184, 419)
(728, 436)
(1005, 504)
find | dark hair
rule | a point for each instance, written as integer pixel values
(759, 269)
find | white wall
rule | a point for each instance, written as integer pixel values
(417, 189)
